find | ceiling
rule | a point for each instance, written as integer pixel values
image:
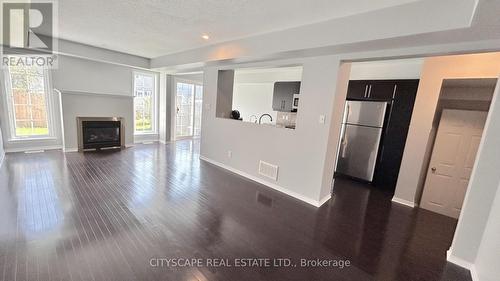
(151, 28)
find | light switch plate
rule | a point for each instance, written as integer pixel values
(322, 119)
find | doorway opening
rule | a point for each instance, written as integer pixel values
(188, 107)
(457, 130)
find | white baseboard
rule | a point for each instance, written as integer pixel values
(164, 142)
(146, 138)
(462, 263)
(403, 202)
(146, 142)
(324, 200)
(473, 273)
(274, 186)
(33, 148)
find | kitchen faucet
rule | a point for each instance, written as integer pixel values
(265, 114)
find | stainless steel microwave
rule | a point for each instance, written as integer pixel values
(295, 103)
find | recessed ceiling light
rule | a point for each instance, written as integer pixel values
(205, 36)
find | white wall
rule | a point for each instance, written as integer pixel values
(254, 99)
(299, 153)
(194, 77)
(488, 257)
(347, 34)
(388, 69)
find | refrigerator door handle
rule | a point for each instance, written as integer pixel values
(343, 144)
(347, 112)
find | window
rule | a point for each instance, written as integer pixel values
(144, 103)
(28, 101)
(189, 103)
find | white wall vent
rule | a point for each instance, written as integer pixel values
(268, 170)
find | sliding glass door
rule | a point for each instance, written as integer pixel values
(189, 98)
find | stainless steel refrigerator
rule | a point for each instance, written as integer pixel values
(362, 128)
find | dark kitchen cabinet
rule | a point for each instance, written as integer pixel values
(395, 132)
(382, 90)
(283, 95)
(375, 90)
(357, 89)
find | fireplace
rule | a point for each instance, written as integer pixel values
(100, 132)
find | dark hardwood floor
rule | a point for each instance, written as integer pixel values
(104, 216)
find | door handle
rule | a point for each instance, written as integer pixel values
(366, 91)
(433, 169)
(343, 144)
(370, 91)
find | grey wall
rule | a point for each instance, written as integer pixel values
(85, 76)
(94, 89)
(224, 95)
(2, 151)
(482, 188)
(335, 125)
(299, 153)
(434, 71)
(167, 108)
(488, 257)
(95, 105)
(81, 75)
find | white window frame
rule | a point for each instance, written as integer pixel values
(174, 106)
(154, 115)
(49, 107)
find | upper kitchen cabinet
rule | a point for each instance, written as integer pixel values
(371, 90)
(283, 95)
(357, 89)
(382, 90)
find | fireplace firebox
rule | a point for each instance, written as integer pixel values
(100, 132)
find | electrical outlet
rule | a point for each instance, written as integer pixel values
(229, 154)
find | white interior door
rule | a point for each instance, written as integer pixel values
(453, 156)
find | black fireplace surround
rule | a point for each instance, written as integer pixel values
(97, 133)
